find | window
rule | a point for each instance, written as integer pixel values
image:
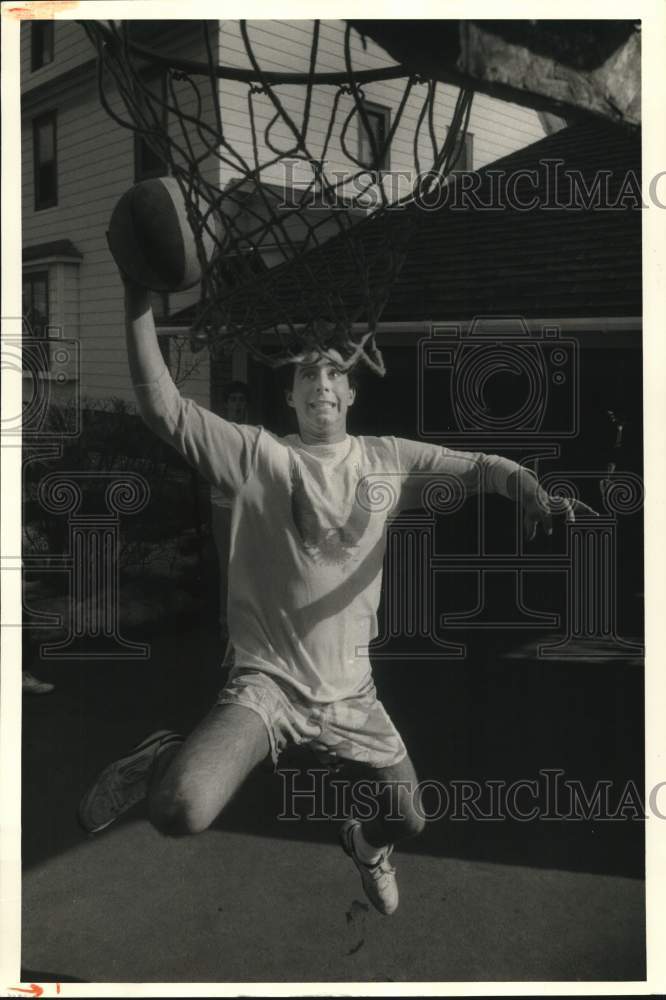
(147, 162)
(46, 173)
(378, 124)
(41, 44)
(464, 158)
(36, 314)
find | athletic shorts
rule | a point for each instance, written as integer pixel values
(357, 728)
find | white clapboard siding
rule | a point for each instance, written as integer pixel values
(282, 45)
(71, 48)
(72, 301)
(95, 167)
(498, 128)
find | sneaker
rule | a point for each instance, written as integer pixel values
(30, 684)
(124, 783)
(379, 880)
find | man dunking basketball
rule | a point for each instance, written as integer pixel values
(305, 576)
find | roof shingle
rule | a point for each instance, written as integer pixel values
(572, 259)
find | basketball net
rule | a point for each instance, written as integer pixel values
(337, 240)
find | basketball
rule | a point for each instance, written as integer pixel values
(151, 238)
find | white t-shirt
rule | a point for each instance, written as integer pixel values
(308, 533)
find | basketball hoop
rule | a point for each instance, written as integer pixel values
(300, 267)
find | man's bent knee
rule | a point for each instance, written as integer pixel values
(178, 815)
(412, 825)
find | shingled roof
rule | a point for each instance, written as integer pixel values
(546, 261)
(574, 252)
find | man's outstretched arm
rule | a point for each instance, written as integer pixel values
(477, 472)
(522, 486)
(539, 506)
(504, 476)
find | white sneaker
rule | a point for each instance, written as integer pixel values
(123, 783)
(379, 880)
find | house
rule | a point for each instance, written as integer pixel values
(547, 238)
(77, 161)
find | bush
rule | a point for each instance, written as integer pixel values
(114, 439)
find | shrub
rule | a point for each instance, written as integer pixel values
(114, 439)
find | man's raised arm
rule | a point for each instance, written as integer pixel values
(143, 351)
(158, 400)
(221, 451)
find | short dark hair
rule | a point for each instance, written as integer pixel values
(286, 373)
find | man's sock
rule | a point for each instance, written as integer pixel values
(367, 853)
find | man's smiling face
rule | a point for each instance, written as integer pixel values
(321, 395)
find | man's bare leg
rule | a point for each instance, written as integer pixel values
(398, 807)
(397, 817)
(192, 784)
(187, 783)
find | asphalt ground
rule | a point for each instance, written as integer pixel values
(262, 899)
